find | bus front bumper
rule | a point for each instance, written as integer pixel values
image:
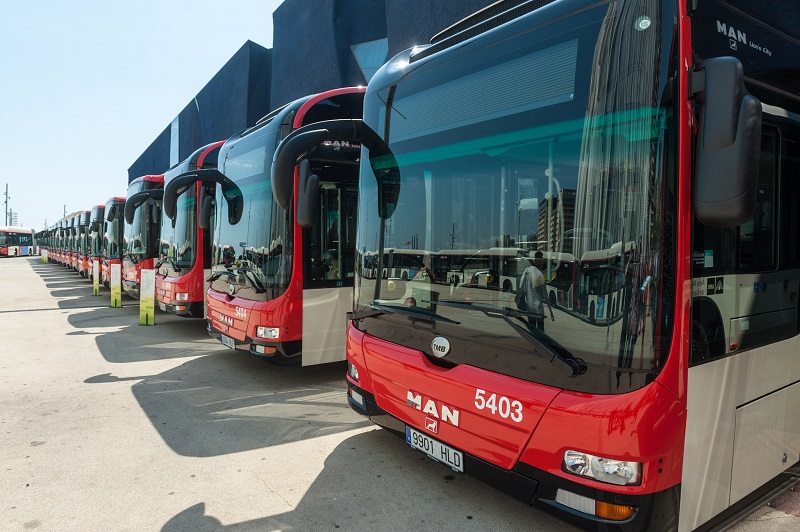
(548, 492)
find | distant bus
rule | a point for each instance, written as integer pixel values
(142, 226)
(16, 241)
(282, 270)
(95, 240)
(184, 260)
(113, 234)
(82, 245)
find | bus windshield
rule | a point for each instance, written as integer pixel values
(137, 233)
(179, 237)
(541, 187)
(111, 243)
(253, 254)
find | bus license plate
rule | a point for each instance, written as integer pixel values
(435, 449)
(227, 341)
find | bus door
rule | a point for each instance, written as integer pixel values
(329, 251)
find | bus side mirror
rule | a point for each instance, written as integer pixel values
(133, 203)
(173, 189)
(300, 143)
(307, 195)
(728, 145)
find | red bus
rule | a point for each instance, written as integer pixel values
(184, 260)
(281, 281)
(16, 241)
(74, 240)
(95, 244)
(677, 124)
(113, 229)
(82, 245)
(142, 225)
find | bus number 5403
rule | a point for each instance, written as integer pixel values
(501, 405)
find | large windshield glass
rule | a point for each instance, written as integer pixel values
(178, 247)
(534, 203)
(254, 254)
(111, 243)
(137, 234)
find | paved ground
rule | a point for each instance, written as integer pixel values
(108, 425)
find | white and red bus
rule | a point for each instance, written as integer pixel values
(97, 219)
(82, 244)
(113, 234)
(677, 124)
(184, 261)
(16, 241)
(73, 240)
(142, 226)
(281, 280)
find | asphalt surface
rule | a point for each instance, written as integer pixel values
(108, 425)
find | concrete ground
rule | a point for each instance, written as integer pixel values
(108, 425)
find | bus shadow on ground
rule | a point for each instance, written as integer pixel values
(121, 339)
(226, 402)
(73, 291)
(373, 481)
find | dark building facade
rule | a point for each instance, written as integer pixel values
(237, 96)
(317, 45)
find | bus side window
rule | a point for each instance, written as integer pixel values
(757, 236)
(789, 238)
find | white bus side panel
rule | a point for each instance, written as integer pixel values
(711, 481)
(325, 324)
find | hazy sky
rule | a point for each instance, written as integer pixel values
(86, 86)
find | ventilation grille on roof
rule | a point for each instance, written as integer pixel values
(490, 17)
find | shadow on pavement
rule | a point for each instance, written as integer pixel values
(227, 402)
(374, 481)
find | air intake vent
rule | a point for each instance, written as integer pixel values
(487, 18)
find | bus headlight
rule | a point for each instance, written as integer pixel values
(268, 333)
(352, 370)
(617, 472)
(182, 296)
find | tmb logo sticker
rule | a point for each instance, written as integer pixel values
(716, 285)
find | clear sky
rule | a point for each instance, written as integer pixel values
(86, 86)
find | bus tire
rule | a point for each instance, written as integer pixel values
(507, 286)
(591, 312)
(552, 299)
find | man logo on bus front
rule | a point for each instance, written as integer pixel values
(431, 425)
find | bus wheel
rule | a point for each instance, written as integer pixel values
(700, 345)
(507, 286)
(552, 299)
(591, 312)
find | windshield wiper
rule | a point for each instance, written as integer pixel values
(174, 264)
(570, 367)
(253, 280)
(219, 273)
(376, 309)
(254, 283)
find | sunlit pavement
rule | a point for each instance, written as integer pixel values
(108, 425)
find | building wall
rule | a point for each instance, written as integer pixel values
(235, 98)
(311, 45)
(154, 160)
(311, 53)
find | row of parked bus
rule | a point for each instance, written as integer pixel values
(649, 153)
